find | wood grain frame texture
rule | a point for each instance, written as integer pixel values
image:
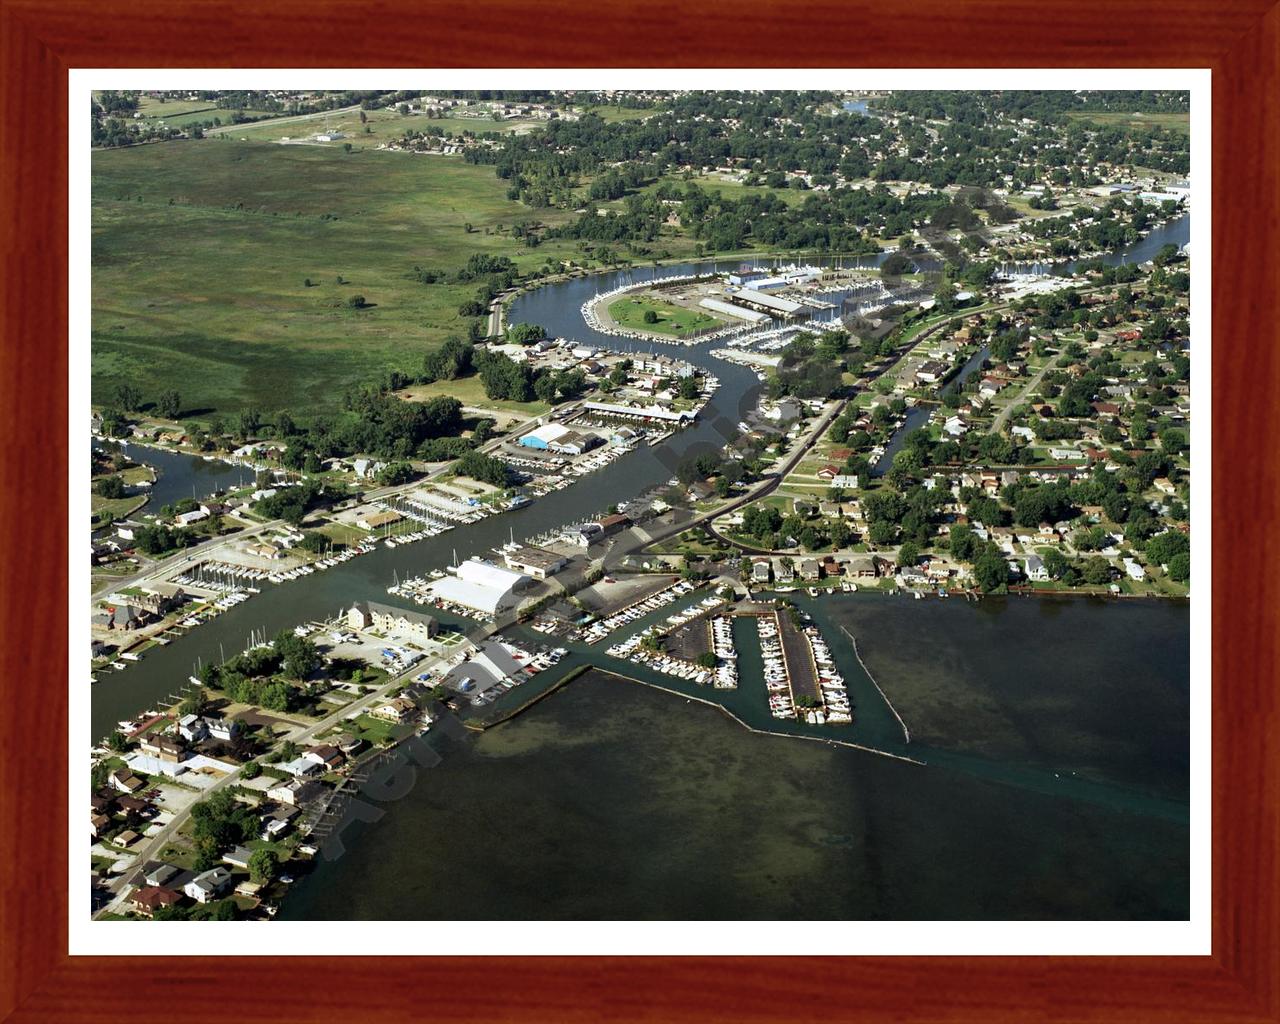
(1239, 41)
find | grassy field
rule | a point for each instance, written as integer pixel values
(629, 312)
(384, 126)
(470, 392)
(612, 114)
(1178, 122)
(201, 250)
(388, 125)
(730, 189)
(111, 509)
(179, 113)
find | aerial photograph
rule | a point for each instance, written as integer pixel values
(668, 505)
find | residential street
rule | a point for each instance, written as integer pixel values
(155, 843)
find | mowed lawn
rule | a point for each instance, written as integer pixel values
(201, 250)
(384, 126)
(629, 312)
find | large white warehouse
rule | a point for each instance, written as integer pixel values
(481, 587)
(739, 312)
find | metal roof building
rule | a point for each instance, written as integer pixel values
(481, 586)
(729, 309)
(544, 436)
(769, 303)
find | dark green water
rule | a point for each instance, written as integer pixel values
(613, 800)
(1099, 688)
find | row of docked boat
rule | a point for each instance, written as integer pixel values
(673, 666)
(231, 600)
(835, 698)
(776, 678)
(694, 611)
(219, 577)
(674, 622)
(410, 538)
(601, 628)
(726, 670)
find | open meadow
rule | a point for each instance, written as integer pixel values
(1180, 122)
(202, 251)
(180, 113)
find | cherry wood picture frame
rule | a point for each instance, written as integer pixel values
(40, 40)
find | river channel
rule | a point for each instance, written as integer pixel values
(557, 307)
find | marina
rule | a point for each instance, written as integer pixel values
(556, 307)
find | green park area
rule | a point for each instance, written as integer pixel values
(470, 392)
(631, 312)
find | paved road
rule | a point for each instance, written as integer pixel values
(223, 129)
(765, 486)
(176, 561)
(193, 554)
(155, 843)
(1030, 387)
(771, 480)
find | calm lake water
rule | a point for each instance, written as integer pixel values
(613, 800)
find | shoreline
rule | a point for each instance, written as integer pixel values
(352, 792)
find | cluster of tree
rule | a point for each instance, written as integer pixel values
(771, 136)
(985, 134)
(290, 503)
(987, 561)
(761, 521)
(159, 539)
(218, 823)
(217, 910)
(1171, 549)
(299, 657)
(111, 487)
(505, 379)
(396, 473)
(484, 468)
(525, 334)
(448, 362)
(811, 368)
(375, 423)
(727, 472)
(772, 530)
(844, 220)
(253, 677)
(316, 542)
(1118, 223)
(895, 516)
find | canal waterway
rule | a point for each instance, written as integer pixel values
(163, 670)
(179, 475)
